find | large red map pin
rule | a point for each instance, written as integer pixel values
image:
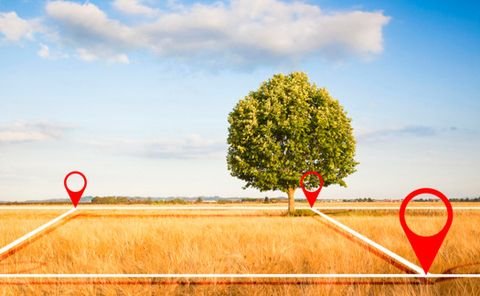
(311, 195)
(75, 196)
(426, 247)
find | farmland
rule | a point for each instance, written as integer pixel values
(230, 240)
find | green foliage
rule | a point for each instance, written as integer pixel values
(465, 199)
(224, 201)
(175, 201)
(302, 213)
(110, 200)
(285, 128)
(366, 199)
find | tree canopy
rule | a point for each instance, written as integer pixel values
(285, 128)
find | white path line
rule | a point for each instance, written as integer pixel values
(32, 233)
(373, 244)
(232, 275)
(156, 208)
(175, 208)
(35, 208)
(397, 208)
(136, 208)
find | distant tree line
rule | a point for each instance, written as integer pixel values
(110, 200)
(460, 199)
(466, 199)
(131, 200)
(366, 199)
(266, 200)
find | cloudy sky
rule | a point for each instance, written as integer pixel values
(136, 93)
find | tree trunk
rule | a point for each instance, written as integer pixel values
(291, 200)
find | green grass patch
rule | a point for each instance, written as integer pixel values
(302, 213)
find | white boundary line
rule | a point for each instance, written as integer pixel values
(396, 208)
(32, 233)
(233, 275)
(398, 258)
(166, 208)
(373, 244)
(141, 208)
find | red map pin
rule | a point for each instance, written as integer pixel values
(426, 247)
(75, 196)
(311, 195)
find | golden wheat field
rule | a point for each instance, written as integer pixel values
(233, 241)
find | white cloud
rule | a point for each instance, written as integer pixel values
(420, 131)
(87, 24)
(44, 51)
(30, 132)
(91, 32)
(134, 7)
(193, 146)
(90, 56)
(85, 55)
(189, 147)
(14, 28)
(235, 32)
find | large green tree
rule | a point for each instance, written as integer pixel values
(285, 128)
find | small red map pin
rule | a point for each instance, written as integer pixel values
(426, 247)
(75, 196)
(311, 195)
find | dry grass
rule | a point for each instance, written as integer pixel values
(238, 242)
(460, 248)
(14, 224)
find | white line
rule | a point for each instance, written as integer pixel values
(395, 208)
(377, 246)
(20, 240)
(154, 208)
(39, 207)
(175, 208)
(234, 275)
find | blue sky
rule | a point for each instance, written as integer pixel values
(136, 93)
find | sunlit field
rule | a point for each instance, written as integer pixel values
(459, 252)
(15, 223)
(235, 242)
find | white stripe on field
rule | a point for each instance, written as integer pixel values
(396, 208)
(154, 208)
(231, 275)
(373, 244)
(135, 208)
(175, 208)
(32, 233)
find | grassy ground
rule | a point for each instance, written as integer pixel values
(459, 252)
(14, 223)
(233, 241)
